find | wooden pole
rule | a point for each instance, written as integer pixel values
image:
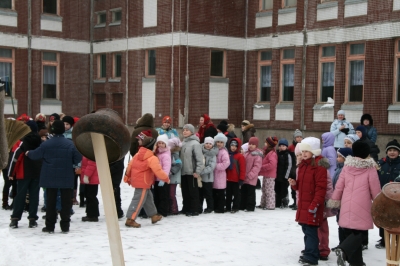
(103, 169)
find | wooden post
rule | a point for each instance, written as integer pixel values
(103, 168)
(392, 245)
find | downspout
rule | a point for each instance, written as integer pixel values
(91, 59)
(245, 62)
(29, 58)
(126, 62)
(186, 111)
(171, 101)
(303, 66)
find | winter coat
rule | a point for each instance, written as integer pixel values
(59, 155)
(237, 168)
(285, 165)
(89, 168)
(340, 135)
(253, 166)
(146, 122)
(357, 186)
(220, 169)
(390, 169)
(117, 171)
(176, 166)
(229, 136)
(142, 168)
(372, 134)
(191, 156)
(210, 161)
(164, 156)
(329, 152)
(338, 170)
(170, 132)
(68, 133)
(248, 132)
(207, 130)
(311, 184)
(374, 149)
(269, 165)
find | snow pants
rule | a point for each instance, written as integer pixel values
(268, 193)
(142, 198)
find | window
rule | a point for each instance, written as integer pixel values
(6, 69)
(327, 64)
(266, 5)
(101, 17)
(50, 74)
(117, 104)
(7, 4)
(151, 62)
(102, 66)
(355, 70)
(264, 74)
(217, 68)
(287, 74)
(289, 3)
(116, 15)
(117, 66)
(100, 101)
(397, 72)
(50, 6)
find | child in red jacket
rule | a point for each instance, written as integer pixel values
(235, 175)
(90, 178)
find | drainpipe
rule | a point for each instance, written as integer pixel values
(126, 62)
(186, 110)
(245, 63)
(91, 58)
(171, 101)
(29, 58)
(303, 67)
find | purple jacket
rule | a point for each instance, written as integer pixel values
(329, 152)
(164, 155)
(253, 166)
(223, 162)
(357, 186)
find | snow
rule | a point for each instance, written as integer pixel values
(269, 237)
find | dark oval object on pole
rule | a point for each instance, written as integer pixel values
(108, 123)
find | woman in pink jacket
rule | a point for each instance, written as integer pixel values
(90, 178)
(219, 184)
(268, 171)
(253, 158)
(357, 186)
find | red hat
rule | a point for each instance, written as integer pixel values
(144, 134)
(76, 119)
(206, 118)
(23, 118)
(167, 119)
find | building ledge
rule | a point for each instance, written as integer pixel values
(264, 14)
(51, 17)
(287, 10)
(354, 107)
(351, 2)
(394, 107)
(8, 12)
(102, 25)
(327, 5)
(99, 81)
(262, 105)
(114, 80)
(284, 106)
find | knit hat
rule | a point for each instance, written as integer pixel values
(234, 143)
(361, 149)
(163, 138)
(344, 152)
(272, 141)
(312, 145)
(223, 126)
(392, 145)
(174, 142)
(253, 141)
(69, 119)
(189, 127)
(167, 119)
(32, 124)
(363, 131)
(209, 140)
(341, 112)
(143, 134)
(245, 147)
(297, 133)
(54, 117)
(283, 141)
(245, 122)
(220, 137)
(352, 137)
(58, 127)
(148, 142)
(40, 117)
(23, 118)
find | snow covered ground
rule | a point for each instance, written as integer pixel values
(259, 238)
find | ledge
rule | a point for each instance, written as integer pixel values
(284, 106)
(327, 5)
(351, 2)
(262, 106)
(149, 79)
(8, 12)
(114, 80)
(115, 9)
(264, 14)
(50, 102)
(99, 81)
(102, 25)
(116, 23)
(287, 10)
(51, 17)
(354, 107)
(7, 100)
(219, 80)
(320, 106)
(394, 107)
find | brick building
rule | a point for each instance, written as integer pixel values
(274, 62)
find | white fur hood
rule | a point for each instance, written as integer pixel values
(359, 163)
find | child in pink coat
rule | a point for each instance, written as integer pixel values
(219, 184)
(90, 178)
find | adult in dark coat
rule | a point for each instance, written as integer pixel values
(361, 132)
(223, 128)
(368, 123)
(248, 131)
(117, 172)
(59, 155)
(144, 123)
(206, 128)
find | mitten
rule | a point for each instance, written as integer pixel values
(345, 130)
(312, 213)
(160, 183)
(86, 179)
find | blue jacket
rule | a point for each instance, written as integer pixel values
(58, 154)
(390, 169)
(340, 135)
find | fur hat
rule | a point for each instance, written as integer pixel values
(32, 124)
(297, 133)
(189, 127)
(344, 152)
(40, 117)
(245, 147)
(392, 145)
(312, 145)
(163, 138)
(245, 122)
(143, 134)
(223, 126)
(367, 117)
(352, 137)
(361, 149)
(272, 141)
(174, 142)
(69, 119)
(209, 140)
(341, 112)
(167, 119)
(220, 137)
(283, 141)
(253, 141)
(58, 127)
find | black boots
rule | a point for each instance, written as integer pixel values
(14, 223)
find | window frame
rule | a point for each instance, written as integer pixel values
(99, 66)
(223, 63)
(12, 6)
(113, 12)
(98, 14)
(58, 9)
(396, 89)
(147, 63)
(57, 65)
(285, 6)
(12, 61)
(291, 61)
(260, 7)
(261, 63)
(114, 65)
(321, 60)
(350, 58)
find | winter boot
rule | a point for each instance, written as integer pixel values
(5, 205)
(14, 223)
(341, 258)
(132, 223)
(74, 200)
(32, 223)
(46, 230)
(82, 203)
(156, 218)
(90, 219)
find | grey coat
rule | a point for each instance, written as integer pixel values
(176, 166)
(210, 158)
(191, 156)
